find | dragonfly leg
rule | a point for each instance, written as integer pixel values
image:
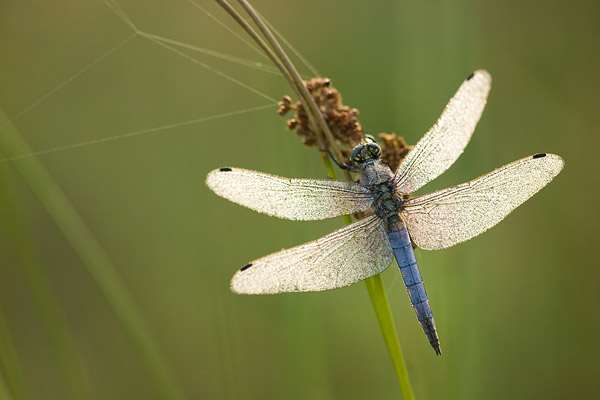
(342, 165)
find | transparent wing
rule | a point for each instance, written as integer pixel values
(297, 199)
(343, 257)
(450, 216)
(446, 140)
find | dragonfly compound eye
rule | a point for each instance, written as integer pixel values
(373, 150)
(364, 152)
(357, 155)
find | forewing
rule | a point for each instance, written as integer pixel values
(297, 199)
(450, 216)
(343, 257)
(447, 139)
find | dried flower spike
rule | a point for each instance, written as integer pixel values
(342, 120)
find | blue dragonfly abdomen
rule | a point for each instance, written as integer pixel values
(405, 257)
(388, 204)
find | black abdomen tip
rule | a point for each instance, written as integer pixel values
(539, 155)
(225, 169)
(471, 75)
(245, 267)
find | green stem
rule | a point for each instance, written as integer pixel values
(382, 309)
(383, 312)
(94, 260)
(11, 379)
(53, 320)
(374, 284)
(4, 393)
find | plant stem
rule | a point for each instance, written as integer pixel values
(94, 259)
(45, 300)
(382, 309)
(374, 284)
(308, 99)
(282, 61)
(11, 376)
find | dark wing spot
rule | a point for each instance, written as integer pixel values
(470, 76)
(225, 169)
(245, 267)
(539, 155)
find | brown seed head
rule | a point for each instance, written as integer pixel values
(343, 122)
(394, 149)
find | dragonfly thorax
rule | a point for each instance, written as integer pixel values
(379, 179)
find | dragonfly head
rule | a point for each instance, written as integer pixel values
(364, 152)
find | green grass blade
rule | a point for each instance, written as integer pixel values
(93, 257)
(383, 312)
(11, 377)
(4, 393)
(382, 309)
(53, 320)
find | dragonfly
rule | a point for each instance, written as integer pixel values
(394, 220)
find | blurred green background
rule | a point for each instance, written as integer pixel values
(516, 308)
